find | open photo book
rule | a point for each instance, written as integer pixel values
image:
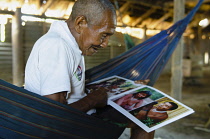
(146, 106)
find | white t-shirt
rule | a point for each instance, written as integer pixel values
(56, 64)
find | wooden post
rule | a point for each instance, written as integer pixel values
(17, 49)
(177, 57)
(145, 33)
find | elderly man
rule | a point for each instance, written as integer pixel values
(55, 68)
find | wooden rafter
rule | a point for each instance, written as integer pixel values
(121, 11)
(44, 8)
(141, 18)
(162, 19)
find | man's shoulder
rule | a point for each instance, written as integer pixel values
(50, 40)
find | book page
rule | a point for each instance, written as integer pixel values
(146, 106)
(115, 84)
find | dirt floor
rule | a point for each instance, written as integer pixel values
(195, 94)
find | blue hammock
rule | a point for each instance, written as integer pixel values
(26, 115)
(146, 60)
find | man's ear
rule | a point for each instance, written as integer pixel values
(80, 23)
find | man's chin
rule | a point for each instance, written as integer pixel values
(89, 54)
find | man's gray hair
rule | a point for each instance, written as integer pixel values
(93, 10)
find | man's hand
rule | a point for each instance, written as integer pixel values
(98, 97)
(95, 99)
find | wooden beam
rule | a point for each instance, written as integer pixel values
(17, 49)
(120, 11)
(37, 3)
(146, 23)
(141, 18)
(43, 16)
(162, 19)
(176, 69)
(63, 7)
(44, 8)
(164, 25)
(145, 33)
(22, 2)
(7, 12)
(125, 7)
(147, 4)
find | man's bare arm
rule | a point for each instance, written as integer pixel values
(60, 97)
(97, 98)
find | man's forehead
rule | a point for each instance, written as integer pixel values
(107, 25)
(107, 21)
(105, 28)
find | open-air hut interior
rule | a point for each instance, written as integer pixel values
(141, 19)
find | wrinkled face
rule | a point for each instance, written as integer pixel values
(164, 106)
(94, 37)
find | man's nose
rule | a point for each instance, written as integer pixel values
(105, 42)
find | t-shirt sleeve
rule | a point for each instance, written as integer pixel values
(54, 68)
